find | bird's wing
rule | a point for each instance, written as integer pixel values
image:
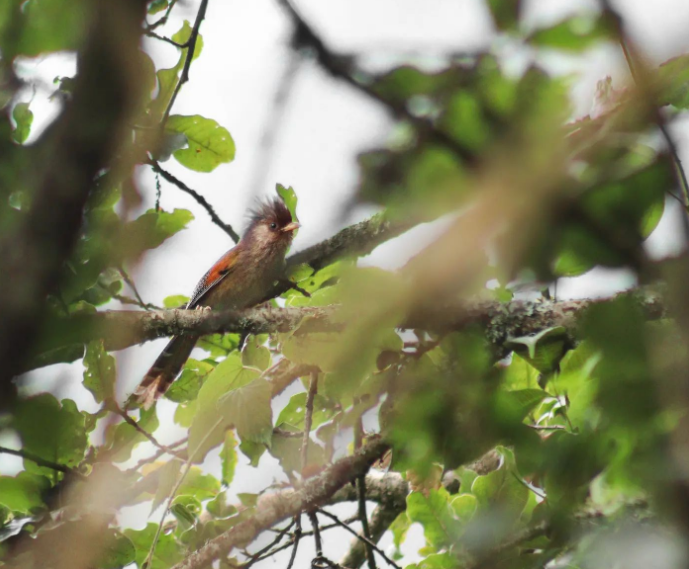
(215, 274)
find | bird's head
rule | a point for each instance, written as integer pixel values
(271, 225)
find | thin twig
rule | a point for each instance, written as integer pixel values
(163, 19)
(547, 427)
(122, 413)
(257, 556)
(173, 493)
(191, 47)
(42, 462)
(198, 197)
(358, 536)
(160, 452)
(640, 77)
(297, 537)
(130, 283)
(154, 35)
(308, 420)
(316, 533)
(341, 67)
(361, 497)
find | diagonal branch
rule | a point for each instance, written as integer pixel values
(282, 505)
(226, 227)
(191, 48)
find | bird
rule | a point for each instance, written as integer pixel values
(241, 278)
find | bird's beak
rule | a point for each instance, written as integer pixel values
(291, 227)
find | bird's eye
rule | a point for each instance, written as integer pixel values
(273, 225)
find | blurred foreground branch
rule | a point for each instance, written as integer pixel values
(72, 152)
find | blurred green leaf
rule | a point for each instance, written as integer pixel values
(505, 13)
(186, 387)
(157, 6)
(434, 513)
(23, 493)
(50, 25)
(231, 396)
(574, 34)
(228, 456)
(51, 430)
(166, 553)
(149, 230)
(100, 372)
(23, 118)
(209, 144)
(118, 552)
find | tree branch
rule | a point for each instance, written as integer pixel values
(215, 218)
(42, 462)
(276, 507)
(70, 154)
(191, 48)
(500, 321)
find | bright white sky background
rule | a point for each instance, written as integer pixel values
(325, 125)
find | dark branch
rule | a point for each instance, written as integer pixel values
(342, 67)
(367, 541)
(227, 228)
(42, 462)
(285, 504)
(191, 48)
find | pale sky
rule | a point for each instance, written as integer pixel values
(325, 125)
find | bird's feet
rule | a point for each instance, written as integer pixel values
(204, 308)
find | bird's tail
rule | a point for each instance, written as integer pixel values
(164, 371)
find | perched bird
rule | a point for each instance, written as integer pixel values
(241, 278)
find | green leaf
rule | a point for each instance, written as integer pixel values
(175, 301)
(200, 486)
(219, 508)
(166, 553)
(50, 25)
(250, 408)
(293, 412)
(502, 488)
(23, 493)
(212, 419)
(255, 354)
(542, 350)
(169, 474)
(673, 76)
(516, 405)
(99, 372)
(433, 512)
(252, 451)
(574, 34)
(289, 196)
(464, 506)
(52, 431)
(209, 144)
(23, 118)
(168, 78)
(150, 230)
(125, 437)
(187, 386)
(228, 457)
(119, 551)
(157, 6)
(399, 528)
(505, 13)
